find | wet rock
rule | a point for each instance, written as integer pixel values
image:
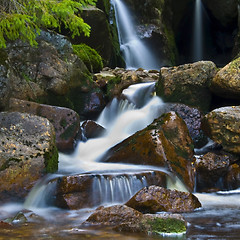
(66, 122)
(125, 219)
(222, 125)
(165, 143)
(113, 81)
(91, 190)
(91, 129)
(192, 117)
(157, 199)
(187, 84)
(210, 170)
(27, 152)
(226, 83)
(232, 178)
(94, 105)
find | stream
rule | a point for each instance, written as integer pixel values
(219, 217)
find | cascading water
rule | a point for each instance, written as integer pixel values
(198, 32)
(136, 54)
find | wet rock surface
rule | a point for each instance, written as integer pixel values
(27, 153)
(165, 143)
(222, 125)
(157, 199)
(91, 129)
(66, 122)
(125, 219)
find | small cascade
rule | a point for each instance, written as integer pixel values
(135, 53)
(126, 121)
(116, 188)
(198, 32)
(41, 194)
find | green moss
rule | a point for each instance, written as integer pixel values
(89, 56)
(168, 225)
(51, 160)
(63, 123)
(8, 163)
(111, 85)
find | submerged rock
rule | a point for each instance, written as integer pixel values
(188, 84)
(157, 199)
(66, 122)
(222, 125)
(165, 143)
(27, 152)
(125, 219)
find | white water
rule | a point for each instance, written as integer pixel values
(135, 53)
(127, 120)
(198, 31)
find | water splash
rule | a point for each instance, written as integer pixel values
(135, 52)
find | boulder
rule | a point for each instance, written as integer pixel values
(91, 129)
(27, 153)
(157, 199)
(232, 178)
(192, 117)
(222, 125)
(187, 84)
(50, 73)
(91, 190)
(210, 170)
(66, 122)
(164, 143)
(125, 219)
(226, 82)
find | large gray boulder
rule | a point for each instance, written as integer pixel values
(188, 84)
(27, 153)
(50, 73)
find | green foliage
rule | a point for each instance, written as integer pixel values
(89, 56)
(23, 19)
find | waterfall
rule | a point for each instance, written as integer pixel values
(198, 32)
(121, 119)
(135, 52)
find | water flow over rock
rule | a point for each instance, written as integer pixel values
(135, 53)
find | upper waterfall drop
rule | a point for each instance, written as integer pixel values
(136, 54)
(198, 32)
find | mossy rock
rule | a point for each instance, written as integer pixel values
(89, 56)
(168, 225)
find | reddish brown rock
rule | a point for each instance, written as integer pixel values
(65, 121)
(126, 219)
(165, 143)
(232, 178)
(156, 199)
(210, 169)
